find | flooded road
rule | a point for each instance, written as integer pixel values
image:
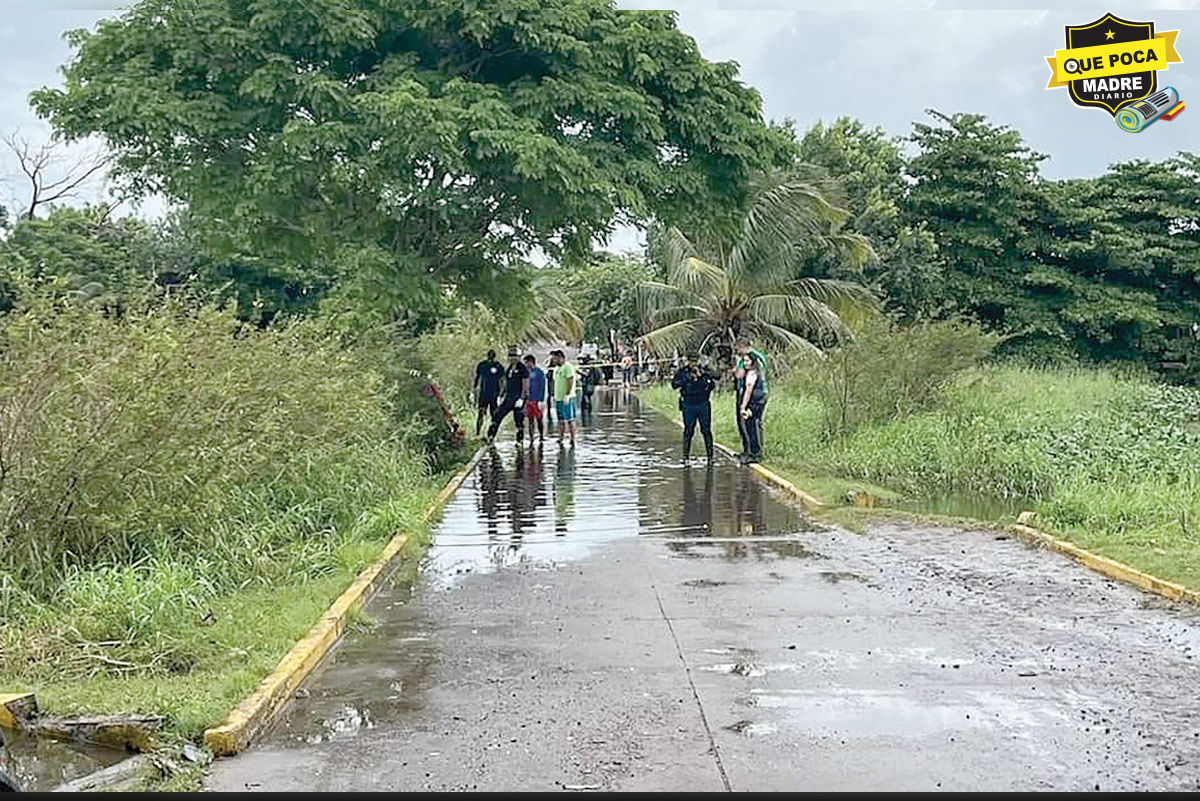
(608, 618)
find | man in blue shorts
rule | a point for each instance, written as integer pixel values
(565, 391)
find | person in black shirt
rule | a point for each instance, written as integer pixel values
(488, 375)
(695, 385)
(516, 392)
(589, 378)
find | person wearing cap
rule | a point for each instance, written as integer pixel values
(695, 384)
(516, 392)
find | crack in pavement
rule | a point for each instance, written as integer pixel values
(712, 743)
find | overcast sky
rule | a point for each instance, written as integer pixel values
(882, 62)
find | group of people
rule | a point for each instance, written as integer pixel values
(696, 384)
(529, 393)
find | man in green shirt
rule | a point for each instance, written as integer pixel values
(566, 387)
(750, 398)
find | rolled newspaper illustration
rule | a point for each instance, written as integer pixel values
(1135, 117)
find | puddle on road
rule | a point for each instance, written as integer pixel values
(348, 722)
(842, 711)
(40, 764)
(540, 506)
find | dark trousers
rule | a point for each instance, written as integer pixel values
(697, 413)
(752, 428)
(509, 405)
(487, 405)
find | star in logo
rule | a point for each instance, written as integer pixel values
(1108, 34)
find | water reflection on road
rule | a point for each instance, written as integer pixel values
(552, 502)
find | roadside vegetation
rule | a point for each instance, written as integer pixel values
(209, 423)
(1108, 460)
(180, 496)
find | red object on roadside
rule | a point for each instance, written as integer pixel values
(456, 433)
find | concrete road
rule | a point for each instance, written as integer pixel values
(610, 619)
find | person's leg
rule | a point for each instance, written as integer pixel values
(705, 420)
(742, 432)
(498, 418)
(690, 415)
(519, 424)
(562, 423)
(574, 418)
(752, 431)
(479, 418)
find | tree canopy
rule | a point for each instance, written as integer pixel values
(437, 140)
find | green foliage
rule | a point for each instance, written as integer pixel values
(604, 292)
(457, 346)
(886, 372)
(445, 138)
(717, 290)
(93, 256)
(174, 435)
(865, 169)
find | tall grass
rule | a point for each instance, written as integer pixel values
(1110, 461)
(154, 465)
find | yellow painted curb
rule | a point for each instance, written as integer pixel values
(13, 705)
(255, 713)
(1101, 564)
(1109, 567)
(811, 503)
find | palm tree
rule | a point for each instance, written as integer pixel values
(750, 286)
(544, 314)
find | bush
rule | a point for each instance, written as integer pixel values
(179, 435)
(886, 372)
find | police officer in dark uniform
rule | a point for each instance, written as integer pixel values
(516, 392)
(695, 384)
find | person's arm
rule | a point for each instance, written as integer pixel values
(677, 381)
(751, 378)
(571, 387)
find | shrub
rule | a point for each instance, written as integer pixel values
(886, 372)
(175, 434)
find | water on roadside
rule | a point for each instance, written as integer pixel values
(540, 507)
(40, 764)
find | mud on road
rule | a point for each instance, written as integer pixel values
(609, 618)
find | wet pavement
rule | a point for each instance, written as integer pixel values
(607, 618)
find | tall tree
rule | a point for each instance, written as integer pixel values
(448, 138)
(866, 168)
(977, 187)
(1122, 262)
